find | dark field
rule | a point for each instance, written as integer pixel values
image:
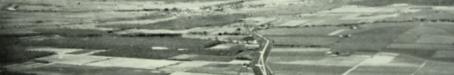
(129, 46)
(188, 22)
(303, 41)
(295, 55)
(14, 73)
(143, 17)
(284, 69)
(11, 52)
(303, 37)
(71, 32)
(415, 39)
(372, 37)
(300, 61)
(437, 68)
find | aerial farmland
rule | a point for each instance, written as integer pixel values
(227, 37)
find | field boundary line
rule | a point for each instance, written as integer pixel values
(419, 67)
(336, 32)
(354, 67)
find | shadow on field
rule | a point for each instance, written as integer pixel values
(11, 52)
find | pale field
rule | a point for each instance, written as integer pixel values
(320, 31)
(444, 8)
(312, 56)
(133, 63)
(66, 69)
(56, 50)
(344, 15)
(183, 57)
(62, 57)
(187, 65)
(72, 59)
(313, 61)
(220, 69)
(103, 61)
(223, 46)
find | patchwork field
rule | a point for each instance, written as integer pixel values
(314, 61)
(89, 70)
(221, 69)
(141, 47)
(209, 37)
(290, 61)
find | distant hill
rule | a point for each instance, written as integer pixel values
(414, 2)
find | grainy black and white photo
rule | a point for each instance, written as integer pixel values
(227, 37)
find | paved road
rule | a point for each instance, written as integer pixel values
(260, 67)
